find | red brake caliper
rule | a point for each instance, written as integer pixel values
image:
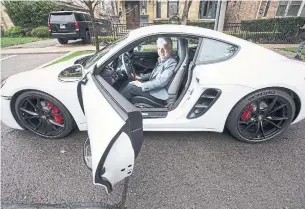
(247, 113)
(58, 118)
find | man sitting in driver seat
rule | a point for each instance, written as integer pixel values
(152, 85)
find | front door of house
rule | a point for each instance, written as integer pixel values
(132, 9)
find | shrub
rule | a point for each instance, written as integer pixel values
(28, 33)
(41, 32)
(15, 31)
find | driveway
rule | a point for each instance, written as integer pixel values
(173, 170)
(48, 43)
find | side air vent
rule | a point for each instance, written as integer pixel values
(205, 101)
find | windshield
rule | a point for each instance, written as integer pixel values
(62, 17)
(94, 58)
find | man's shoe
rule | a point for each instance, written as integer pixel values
(298, 57)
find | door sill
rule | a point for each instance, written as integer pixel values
(154, 113)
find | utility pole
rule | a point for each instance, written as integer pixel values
(217, 15)
(221, 19)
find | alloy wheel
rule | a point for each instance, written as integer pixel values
(264, 118)
(41, 116)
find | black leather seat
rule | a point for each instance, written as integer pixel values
(175, 83)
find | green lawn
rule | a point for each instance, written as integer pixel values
(9, 41)
(70, 56)
(294, 50)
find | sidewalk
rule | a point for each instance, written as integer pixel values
(58, 49)
(278, 46)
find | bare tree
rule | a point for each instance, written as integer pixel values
(187, 5)
(91, 5)
(113, 8)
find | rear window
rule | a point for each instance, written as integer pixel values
(59, 17)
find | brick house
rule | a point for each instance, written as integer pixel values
(148, 11)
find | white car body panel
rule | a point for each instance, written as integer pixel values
(102, 132)
(65, 92)
(253, 67)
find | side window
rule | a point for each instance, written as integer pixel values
(79, 17)
(150, 45)
(213, 50)
(88, 18)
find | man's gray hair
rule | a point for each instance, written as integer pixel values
(165, 41)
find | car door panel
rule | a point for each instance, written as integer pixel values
(115, 132)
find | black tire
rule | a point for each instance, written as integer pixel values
(62, 41)
(68, 122)
(259, 120)
(87, 38)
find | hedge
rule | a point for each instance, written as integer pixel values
(15, 31)
(287, 26)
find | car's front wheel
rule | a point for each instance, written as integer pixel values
(261, 116)
(43, 115)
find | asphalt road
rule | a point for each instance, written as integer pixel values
(173, 170)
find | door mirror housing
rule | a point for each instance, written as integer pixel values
(71, 74)
(139, 48)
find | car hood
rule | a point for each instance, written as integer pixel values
(57, 68)
(36, 78)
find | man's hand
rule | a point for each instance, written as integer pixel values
(136, 83)
(137, 77)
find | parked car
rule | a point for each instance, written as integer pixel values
(216, 85)
(70, 25)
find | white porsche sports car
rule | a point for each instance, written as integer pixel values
(220, 82)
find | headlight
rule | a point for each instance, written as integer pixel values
(3, 82)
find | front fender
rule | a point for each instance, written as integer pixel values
(45, 80)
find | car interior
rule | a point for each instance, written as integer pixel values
(142, 59)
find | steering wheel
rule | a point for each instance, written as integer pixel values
(128, 66)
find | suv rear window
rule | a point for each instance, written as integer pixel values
(59, 17)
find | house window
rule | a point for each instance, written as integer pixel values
(267, 8)
(207, 9)
(294, 8)
(158, 9)
(303, 12)
(288, 8)
(172, 8)
(143, 7)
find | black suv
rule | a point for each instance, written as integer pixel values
(70, 25)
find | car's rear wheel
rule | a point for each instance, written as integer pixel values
(62, 41)
(43, 115)
(87, 38)
(261, 116)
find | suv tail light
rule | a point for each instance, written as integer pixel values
(76, 25)
(49, 26)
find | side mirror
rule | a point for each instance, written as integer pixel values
(71, 74)
(140, 48)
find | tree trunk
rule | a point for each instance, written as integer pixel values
(187, 5)
(112, 8)
(116, 8)
(95, 29)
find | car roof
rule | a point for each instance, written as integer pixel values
(184, 29)
(68, 11)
